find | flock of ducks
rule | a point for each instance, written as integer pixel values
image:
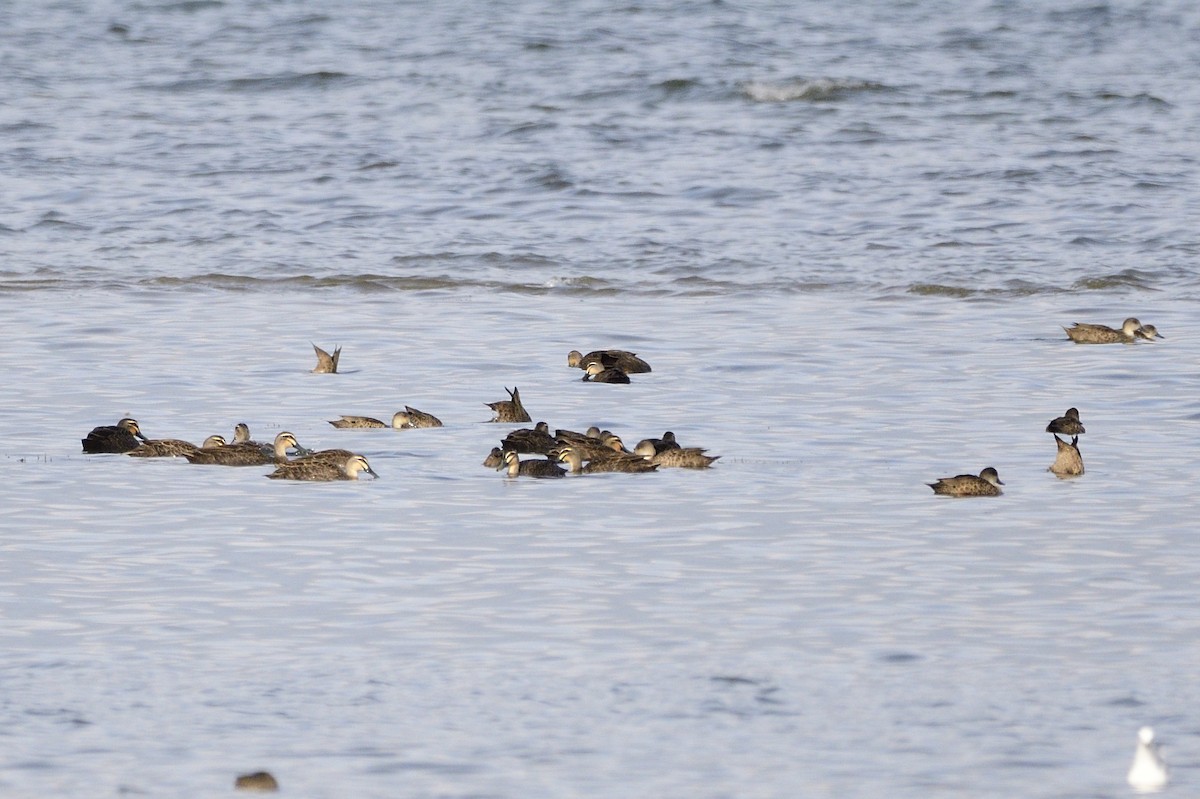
(583, 453)
(1067, 461)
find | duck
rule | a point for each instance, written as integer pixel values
(1148, 773)
(1149, 332)
(412, 419)
(534, 467)
(605, 445)
(598, 373)
(495, 458)
(248, 454)
(173, 447)
(986, 484)
(511, 409)
(593, 432)
(241, 435)
(258, 781)
(536, 440)
(1068, 462)
(657, 444)
(326, 364)
(615, 463)
(123, 436)
(678, 458)
(1068, 424)
(359, 422)
(1102, 334)
(323, 470)
(627, 362)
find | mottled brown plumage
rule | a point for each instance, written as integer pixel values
(173, 447)
(986, 484)
(248, 454)
(614, 462)
(323, 470)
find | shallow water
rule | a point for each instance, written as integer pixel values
(845, 245)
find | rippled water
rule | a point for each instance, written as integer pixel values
(846, 243)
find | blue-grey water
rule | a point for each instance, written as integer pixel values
(846, 238)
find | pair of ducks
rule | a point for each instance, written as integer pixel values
(1130, 331)
(408, 419)
(607, 366)
(1067, 463)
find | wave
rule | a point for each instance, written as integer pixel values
(813, 90)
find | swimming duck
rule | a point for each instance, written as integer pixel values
(593, 432)
(241, 435)
(510, 410)
(1068, 424)
(1149, 332)
(1068, 462)
(614, 463)
(536, 440)
(591, 448)
(258, 781)
(357, 422)
(598, 373)
(495, 458)
(412, 419)
(1102, 334)
(248, 454)
(657, 444)
(1148, 773)
(323, 470)
(677, 458)
(120, 437)
(173, 447)
(986, 484)
(327, 364)
(534, 467)
(627, 362)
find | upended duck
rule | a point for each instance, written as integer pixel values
(248, 454)
(173, 447)
(1067, 462)
(323, 470)
(1082, 333)
(627, 362)
(534, 467)
(326, 364)
(985, 484)
(1068, 424)
(511, 409)
(123, 436)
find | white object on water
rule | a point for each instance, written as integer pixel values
(1149, 771)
